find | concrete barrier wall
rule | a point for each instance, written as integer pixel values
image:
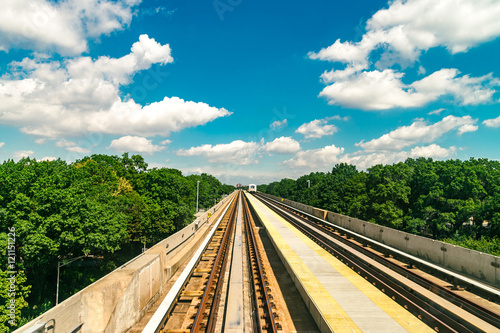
(475, 264)
(120, 299)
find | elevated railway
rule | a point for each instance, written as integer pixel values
(260, 265)
(441, 305)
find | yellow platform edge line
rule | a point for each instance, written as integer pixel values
(397, 312)
(334, 315)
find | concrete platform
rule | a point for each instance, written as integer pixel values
(339, 299)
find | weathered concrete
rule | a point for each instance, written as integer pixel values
(480, 266)
(338, 299)
(117, 301)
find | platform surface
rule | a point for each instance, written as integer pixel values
(345, 301)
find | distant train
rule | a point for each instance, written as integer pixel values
(252, 188)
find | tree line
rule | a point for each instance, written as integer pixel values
(108, 207)
(454, 201)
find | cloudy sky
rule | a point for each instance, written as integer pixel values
(250, 91)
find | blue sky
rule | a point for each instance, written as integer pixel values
(250, 91)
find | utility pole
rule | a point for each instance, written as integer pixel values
(59, 265)
(197, 191)
(308, 183)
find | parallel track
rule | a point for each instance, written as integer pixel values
(207, 310)
(194, 307)
(190, 310)
(427, 310)
(263, 307)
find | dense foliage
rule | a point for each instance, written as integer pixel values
(456, 201)
(108, 207)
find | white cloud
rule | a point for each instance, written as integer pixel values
(240, 152)
(346, 52)
(172, 114)
(22, 153)
(382, 90)
(78, 150)
(229, 174)
(2, 144)
(407, 28)
(317, 128)
(419, 131)
(364, 160)
(282, 145)
(236, 152)
(54, 99)
(495, 122)
(64, 26)
(65, 143)
(315, 158)
(278, 124)
(467, 128)
(119, 71)
(398, 35)
(338, 75)
(165, 142)
(436, 112)
(49, 158)
(72, 146)
(135, 144)
(432, 151)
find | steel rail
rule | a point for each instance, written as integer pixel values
(214, 284)
(253, 249)
(161, 314)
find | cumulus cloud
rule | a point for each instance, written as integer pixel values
(240, 152)
(72, 146)
(228, 174)
(53, 99)
(432, 151)
(2, 144)
(62, 26)
(135, 144)
(236, 152)
(495, 122)
(316, 158)
(22, 153)
(407, 28)
(282, 145)
(398, 35)
(467, 128)
(364, 159)
(382, 90)
(78, 150)
(65, 143)
(49, 158)
(172, 114)
(317, 128)
(325, 158)
(419, 131)
(279, 124)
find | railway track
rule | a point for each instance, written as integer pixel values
(264, 318)
(198, 303)
(439, 307)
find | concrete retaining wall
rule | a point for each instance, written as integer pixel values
(120, 299)
(478, 265)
